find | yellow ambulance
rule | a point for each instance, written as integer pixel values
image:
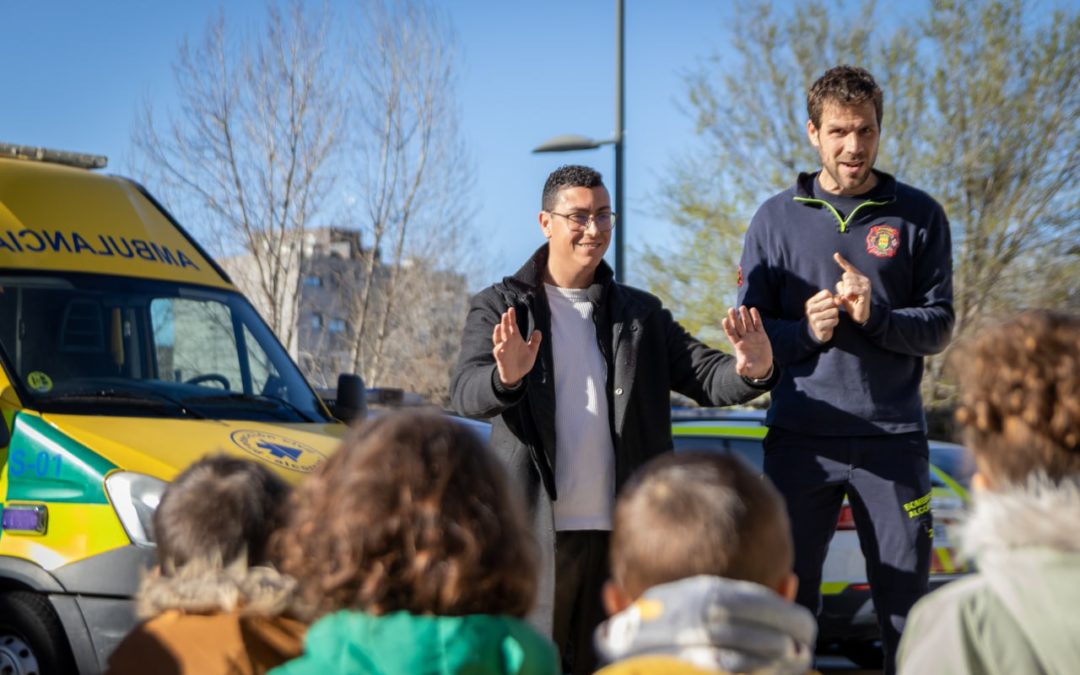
(126, 354)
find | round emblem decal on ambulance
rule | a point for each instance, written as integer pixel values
(39, 382)
(280, 450)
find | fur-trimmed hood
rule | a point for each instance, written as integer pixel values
(205, 588)
(1017, 612)
(1026, 544)
(1039, 514)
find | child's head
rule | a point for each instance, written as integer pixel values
(411, 513)
(1020, 400)
(219, 511)
(688, 514)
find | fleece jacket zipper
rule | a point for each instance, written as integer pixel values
(843, 222)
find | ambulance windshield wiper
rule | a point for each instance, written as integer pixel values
(144, 396)
(259, 399)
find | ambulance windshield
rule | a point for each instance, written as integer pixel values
(96, 345)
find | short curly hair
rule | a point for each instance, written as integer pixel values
(568, 176)
(843, 85)
(412, 513)
(1020, 397)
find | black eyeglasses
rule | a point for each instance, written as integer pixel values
(579, 222)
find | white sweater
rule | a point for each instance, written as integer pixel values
(584, 452)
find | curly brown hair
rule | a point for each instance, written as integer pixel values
(411, 513)
(843, 85)
(1020, 401)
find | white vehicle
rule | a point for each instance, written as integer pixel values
(847, 622)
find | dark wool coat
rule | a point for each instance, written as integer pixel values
(648, 355)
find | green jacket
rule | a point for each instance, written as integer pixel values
(407, 644)
(1019, 613)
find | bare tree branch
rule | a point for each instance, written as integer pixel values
(252, 148)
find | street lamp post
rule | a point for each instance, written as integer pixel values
(570, 142)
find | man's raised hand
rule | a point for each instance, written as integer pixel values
(753, 351)
(514, 357)
(853, 291)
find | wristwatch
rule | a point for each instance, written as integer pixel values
(760, 381)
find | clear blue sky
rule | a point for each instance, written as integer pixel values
(74, 74)
(540, 69)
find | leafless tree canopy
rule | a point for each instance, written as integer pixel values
(348, 121)
(412, 176)
(248, 155)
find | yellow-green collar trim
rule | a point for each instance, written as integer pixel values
(843, 221)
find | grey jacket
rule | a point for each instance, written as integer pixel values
(648, 355)
(715, 624)
(1021, 612)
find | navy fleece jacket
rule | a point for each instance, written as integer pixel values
(865, 381)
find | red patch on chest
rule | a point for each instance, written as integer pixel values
(883, 241)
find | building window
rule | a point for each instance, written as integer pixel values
(336, 325)
(313, 280)
(316, 321)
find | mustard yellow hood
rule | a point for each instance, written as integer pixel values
(163, 447)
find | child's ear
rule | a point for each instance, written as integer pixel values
(615, 599)
(789, 587)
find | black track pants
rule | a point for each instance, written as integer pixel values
(887, 480)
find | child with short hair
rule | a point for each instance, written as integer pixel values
(410, 547)
(702, 581)
(1020, 410)
(214, 604)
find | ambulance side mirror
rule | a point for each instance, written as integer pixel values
(350, 403)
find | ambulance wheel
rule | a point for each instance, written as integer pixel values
(864, 654)
(32, 640)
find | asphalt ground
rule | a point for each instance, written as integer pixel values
(838, 664)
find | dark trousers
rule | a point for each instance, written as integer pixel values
(581, 568)
(887, 481)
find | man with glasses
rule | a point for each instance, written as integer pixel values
(575, 372)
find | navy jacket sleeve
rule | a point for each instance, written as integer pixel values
(475, 388)
(791, 339)
(925, 326)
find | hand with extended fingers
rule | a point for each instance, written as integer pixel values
(753, 351)
(514, 357)
(853, 291)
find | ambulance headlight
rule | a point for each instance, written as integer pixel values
(135, 497)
